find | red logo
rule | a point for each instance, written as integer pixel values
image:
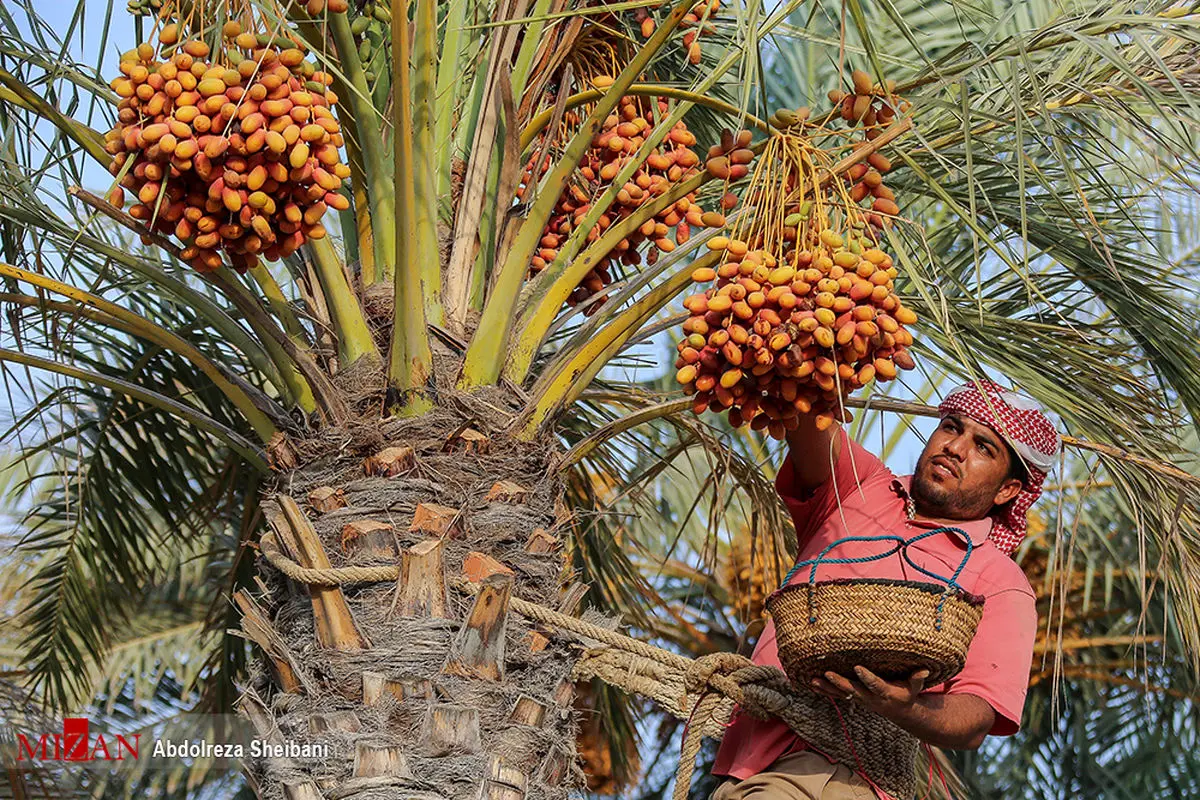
(76, 744)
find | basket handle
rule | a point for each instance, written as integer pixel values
(952, 581)
(901, 547)
(821, 559)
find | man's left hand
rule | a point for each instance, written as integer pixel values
(886, 698)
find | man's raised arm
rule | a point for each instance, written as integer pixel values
(814, 452)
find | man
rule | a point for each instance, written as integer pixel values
(979, 472)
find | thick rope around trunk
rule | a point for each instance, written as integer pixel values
(703, 691)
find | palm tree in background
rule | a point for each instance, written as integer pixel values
(416, 382)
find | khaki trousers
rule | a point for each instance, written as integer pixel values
(800, 776)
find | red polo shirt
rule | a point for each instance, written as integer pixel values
(864, 498)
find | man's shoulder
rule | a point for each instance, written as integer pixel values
(866, 466)
(855, 470)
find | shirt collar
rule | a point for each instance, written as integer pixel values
(978, 530)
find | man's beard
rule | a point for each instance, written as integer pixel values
(935, 500)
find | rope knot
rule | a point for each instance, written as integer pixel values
(717, 672)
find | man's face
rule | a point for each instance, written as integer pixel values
(963, 471)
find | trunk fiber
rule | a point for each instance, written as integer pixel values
(420, 688)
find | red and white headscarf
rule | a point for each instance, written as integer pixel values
(1026, 429)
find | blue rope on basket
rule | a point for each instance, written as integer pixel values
(901, 547)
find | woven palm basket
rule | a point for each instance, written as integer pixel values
(891, 627)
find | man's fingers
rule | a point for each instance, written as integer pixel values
(844, 685)
(822, 686)
(877, 685)
(916, 682)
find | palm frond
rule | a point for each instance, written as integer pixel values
(112, 515)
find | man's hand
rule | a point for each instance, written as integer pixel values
(891, 700)
(956, 721)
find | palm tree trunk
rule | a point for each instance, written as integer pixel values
(422, 687)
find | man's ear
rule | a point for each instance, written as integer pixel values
(1008, 490)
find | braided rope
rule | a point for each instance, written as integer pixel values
(703, 691)
(334, 576)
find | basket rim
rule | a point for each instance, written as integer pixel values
(923, 586)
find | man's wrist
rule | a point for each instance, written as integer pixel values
(928, 718)
(912, 717)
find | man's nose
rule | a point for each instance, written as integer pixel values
(957, 448)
